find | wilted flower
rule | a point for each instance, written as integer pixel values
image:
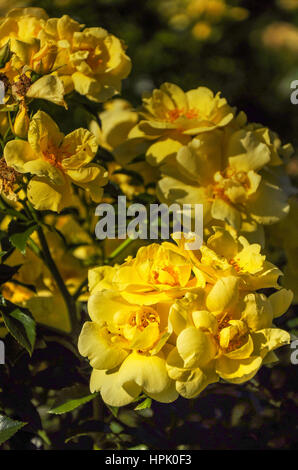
(8, 180)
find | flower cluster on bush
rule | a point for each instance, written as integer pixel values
(168, 321)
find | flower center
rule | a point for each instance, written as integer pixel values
(144, 317)
(235, 265)
(54, 155)
(227, 179)
(165, 275)
(176, 113)
(235, 338)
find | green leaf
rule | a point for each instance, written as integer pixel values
(5, 54)
(70, 398)
(8, 427)
(144, 404)
(19, 239)
(114, 410)
(20, 325)
(7, 272)
(43, 435)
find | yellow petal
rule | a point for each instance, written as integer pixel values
(162, 149)
(222, 210)
(86, 85)
(244, 352)
(43, 133)
(100, 278)
(176, 94)
(196, 382)
(103, 306)
(91, 178)
(269, 204)
(237, 371)
(223, 244)
(94, 344)
(43, 168)
(223, 294)
(204, 320)
(280, 301)
(195, 347)
(145, 339)
(48, 87)
(269, 339)
(112, 393)
(148, 372)
(17, 153)
(249, 153)
(201, 159)
(258, 312)
(45, 195)
(80, 146)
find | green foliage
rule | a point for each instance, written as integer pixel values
(144, 404)
(20, 236)
(20, 324)
(70, 398)
(8, 427)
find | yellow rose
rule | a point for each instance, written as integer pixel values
(170, 118)
(226, 172)
(124, 343)
(20, 29)
(157, 273)
(22, 24)
(90, 60)
(224, 255)
(56, 161)
(117, 119)
(222, 335)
